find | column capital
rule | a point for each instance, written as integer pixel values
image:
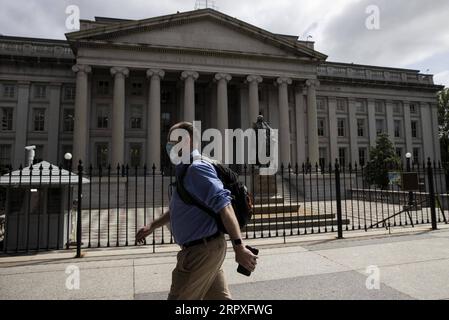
(155, 73)
(254, 78)
(190, 74)
(312, 82)
(223, 76)
(120, 70)
(81, 68)
(284, 80)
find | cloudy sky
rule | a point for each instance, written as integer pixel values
(412, 33)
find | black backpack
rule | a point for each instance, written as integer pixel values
(241, 199)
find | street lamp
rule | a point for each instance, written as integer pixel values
(68, 158)
(409, 169)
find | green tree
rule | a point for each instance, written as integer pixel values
(383, 158)
(443, 119)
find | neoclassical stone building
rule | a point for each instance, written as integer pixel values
(111, 91)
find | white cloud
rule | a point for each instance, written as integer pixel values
(442, 78)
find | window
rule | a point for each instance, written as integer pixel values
(40, 91)
(413, 108)
(137, 89)
(136, 117)
(362, 157)
(9, 91)
(7, 119)
(361, 127)
(416, 155)
(103, 87)
(321, 127)
(397, 108)
(323, 157)
(102, 154)
(342, 156)
(321, 104)
(379, 105)
(399, 153)
(415, 129)
(69, 93)
(69, 120)
(102, 116)
(341, 127)
(39, 119)
(5, 155)
(360, 106)
(135, 154)
(380, 128)
(397, 128)
(341, 105)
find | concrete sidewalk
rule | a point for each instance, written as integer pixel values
(412, 264)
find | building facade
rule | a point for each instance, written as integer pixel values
(110, 93)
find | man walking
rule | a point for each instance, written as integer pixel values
(198, 274)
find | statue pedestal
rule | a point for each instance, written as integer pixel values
(264, 186)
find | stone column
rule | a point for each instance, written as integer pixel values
(408, 128)
(222, 101)
(254, 109)
(189, 78)
(118, 115)
(333, 130)
(300, 122)
(435, 133)
(21, 125)
(353, 136)
(154, 119)
(312, 118)
(390, 120)
(372, 122)
(284, 121)
(54, 111)
(81, 125)
(427, 131)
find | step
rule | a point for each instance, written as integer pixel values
(277, 208)
(295, 218)
(295, 225)
(268, 200)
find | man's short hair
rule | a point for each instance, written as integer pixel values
(188, 126)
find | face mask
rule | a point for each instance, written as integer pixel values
(168, 147)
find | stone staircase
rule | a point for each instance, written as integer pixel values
(275, 209)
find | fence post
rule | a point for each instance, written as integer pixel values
(78, 220)
(433, 214)
(338, 199)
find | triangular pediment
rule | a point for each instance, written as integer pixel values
(200, 30)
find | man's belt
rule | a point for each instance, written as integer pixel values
(202, 241)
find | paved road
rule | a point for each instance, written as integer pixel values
(410, 266)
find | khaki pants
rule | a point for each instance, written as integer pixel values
(198, 274)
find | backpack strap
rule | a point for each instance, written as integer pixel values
(187, 197)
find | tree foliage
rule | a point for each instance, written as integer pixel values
(383, 159)
(443, 119)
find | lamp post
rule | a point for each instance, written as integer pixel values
(68, 158)
(409, 169)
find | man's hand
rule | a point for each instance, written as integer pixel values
(245, 258)
(143, 233)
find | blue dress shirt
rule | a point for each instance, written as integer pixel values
(190, 223)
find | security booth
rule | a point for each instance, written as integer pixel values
(39, 207)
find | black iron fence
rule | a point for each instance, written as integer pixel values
(51, 208)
